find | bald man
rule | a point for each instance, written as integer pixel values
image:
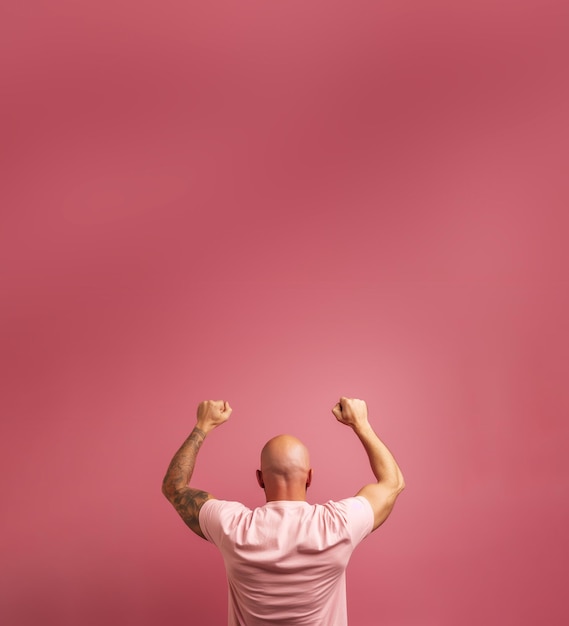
(285, 560)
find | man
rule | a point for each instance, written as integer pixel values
(286, 560)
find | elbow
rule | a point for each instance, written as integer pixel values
(171, 490)
(167, 489)
(398, 483)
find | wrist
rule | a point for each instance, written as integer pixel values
(362, 428)
(201, 430)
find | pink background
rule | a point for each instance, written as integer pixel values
(277, 203)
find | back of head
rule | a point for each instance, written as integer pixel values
(285, 468)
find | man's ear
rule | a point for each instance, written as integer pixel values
(309, 478)
(260, 479)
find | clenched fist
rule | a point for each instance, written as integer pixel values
(352, 412)
(212, 413)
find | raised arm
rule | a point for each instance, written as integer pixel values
(175, 486)
(382, 494)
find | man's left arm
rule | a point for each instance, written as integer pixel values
(175, 486)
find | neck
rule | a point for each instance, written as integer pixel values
(285, 494)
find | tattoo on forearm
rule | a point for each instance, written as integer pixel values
(197, 431)
(186, 501)
(182, 465)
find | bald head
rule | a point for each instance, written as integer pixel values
(285, 468)
(284, 454)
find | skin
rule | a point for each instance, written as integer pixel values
(382, 494)
(186, 500)
(285, 472)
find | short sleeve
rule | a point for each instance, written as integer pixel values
(216, 518)
(360, 518)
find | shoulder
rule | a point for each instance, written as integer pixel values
(216, 516)
(223, 507)
(353, 505)
(355, 512)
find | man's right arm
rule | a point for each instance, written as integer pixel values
(383, 493)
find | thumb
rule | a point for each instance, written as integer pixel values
(337, 411)
(227, 409)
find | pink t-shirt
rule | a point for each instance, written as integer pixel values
(286, 560)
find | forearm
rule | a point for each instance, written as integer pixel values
(186, 500)
(382, 462)
(182, 464)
